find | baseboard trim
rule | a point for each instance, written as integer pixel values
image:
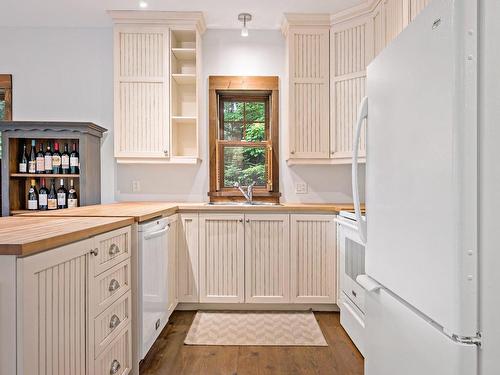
(257, 306)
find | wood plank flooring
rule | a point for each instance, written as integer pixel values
(169, 355)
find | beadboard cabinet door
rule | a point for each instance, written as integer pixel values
(52, 311)
(187, 258)
(351, 50)
(308, 97)
(267, 258)
(141, 91)
(222, 251)
(173, 235)
(313, 259)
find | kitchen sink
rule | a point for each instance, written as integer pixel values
(243, 204)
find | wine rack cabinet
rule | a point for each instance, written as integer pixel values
(87, 137)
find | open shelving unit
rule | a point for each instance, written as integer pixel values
(184, 75)
(15, 185)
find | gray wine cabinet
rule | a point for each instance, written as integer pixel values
(15, 185)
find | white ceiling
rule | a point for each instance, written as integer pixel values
(219, 14)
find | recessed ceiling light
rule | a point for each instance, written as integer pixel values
(143, 4)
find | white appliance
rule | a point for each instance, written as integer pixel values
(422, 311)
(152, 282)
(351, 265)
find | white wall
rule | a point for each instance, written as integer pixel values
(63, 75)
(66, 74)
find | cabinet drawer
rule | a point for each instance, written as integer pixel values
(110, 285)
(117, 357)
(111, 249)
(111, 321)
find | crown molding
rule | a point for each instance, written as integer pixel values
(159, 17)
(304, 19)
(364, 8)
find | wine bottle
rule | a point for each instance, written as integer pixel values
(48, 160)
(32, 197)
(72, 196)
(65, 160)
(56, 159)
(74, 161)
(62, 195)
(23, 163)
(40, 160)
(42, 196)
(52, 197)
(32, 161)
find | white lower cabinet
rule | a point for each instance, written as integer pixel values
(222, 258)
(74, 308)
(173, 235)
(267, 258)
(313, 259)
(187, 258)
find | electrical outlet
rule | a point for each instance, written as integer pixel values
(136, 186)
(300, 188)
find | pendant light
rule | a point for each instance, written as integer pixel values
(244, 17)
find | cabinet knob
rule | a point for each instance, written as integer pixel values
(292, 152)
(94, 252)
(113, 285)
(114, 249)
(247, 220)
(240, 220)
(114, 321)
(115, 367)
(165, 152)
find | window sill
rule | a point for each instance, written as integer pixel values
(236, 196)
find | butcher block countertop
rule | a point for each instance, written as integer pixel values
(24, 236)
(143, 211)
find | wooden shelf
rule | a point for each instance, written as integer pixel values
(184, 79)
(44, 175)
(183, 54)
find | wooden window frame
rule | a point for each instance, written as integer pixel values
(6, 84)
(243, 88)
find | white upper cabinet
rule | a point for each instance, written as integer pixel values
(327, 57)
(350, 51)
(141, 91)
(156, 83)
(308, 86)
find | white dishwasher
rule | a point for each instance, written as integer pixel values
(152, 282)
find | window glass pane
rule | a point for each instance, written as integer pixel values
(255, 132)
(233, 131)
(244, 165)
(255, 111)
(2, 104)
(233, 111)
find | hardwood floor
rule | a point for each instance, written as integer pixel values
(169, 355)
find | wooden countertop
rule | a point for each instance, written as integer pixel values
(24, 236)
(143, 211)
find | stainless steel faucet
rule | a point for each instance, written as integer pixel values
(247, 194)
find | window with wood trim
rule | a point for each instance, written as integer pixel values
(5, 101)
(243, 137)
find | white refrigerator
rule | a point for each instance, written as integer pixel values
(422, 197)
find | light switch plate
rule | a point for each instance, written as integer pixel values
(300, 188)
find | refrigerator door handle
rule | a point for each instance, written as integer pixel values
(362, 114)
(368, 283)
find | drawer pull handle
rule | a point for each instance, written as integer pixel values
(354, 293)
(114, 249)
(94, 251)
(115, 366)
(113, 285)
(114, 321)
